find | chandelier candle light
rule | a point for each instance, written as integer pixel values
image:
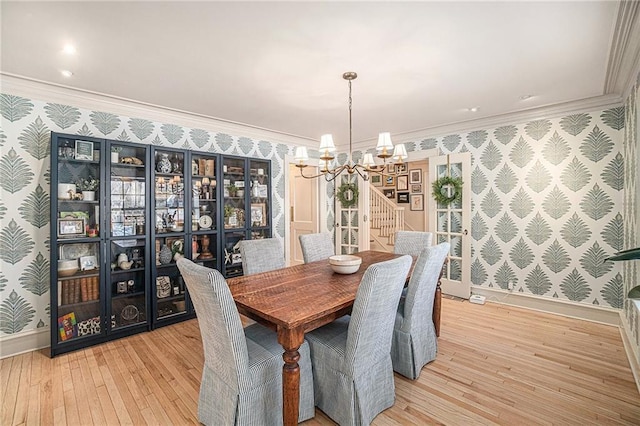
(327, 148)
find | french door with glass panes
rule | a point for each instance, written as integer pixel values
(451, 223)
(352, 223)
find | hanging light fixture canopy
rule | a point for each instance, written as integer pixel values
(385, 150)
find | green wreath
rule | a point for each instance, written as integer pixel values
(342, 195)
(439, 184)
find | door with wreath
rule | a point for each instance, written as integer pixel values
(352, 214)
(450, 218)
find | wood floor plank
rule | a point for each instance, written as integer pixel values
(496, 365)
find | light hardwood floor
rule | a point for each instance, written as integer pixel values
(495, 365)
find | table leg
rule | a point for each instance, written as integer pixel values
(290, 339)
(437, 301)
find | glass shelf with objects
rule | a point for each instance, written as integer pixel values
(231, 257)
(77, 311)
(169, 297)
(234, 200)
(259, 209)
(128, 190)
(128, 296)
(204, 193)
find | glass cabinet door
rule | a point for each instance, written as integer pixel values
(169, 229)
(260, 210)
(76, 232)
(204, 210)
(128, 298)
(234, 212)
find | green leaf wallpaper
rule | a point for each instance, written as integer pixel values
(35, 139)
(15, 313)
(575, 124)
(63, 116)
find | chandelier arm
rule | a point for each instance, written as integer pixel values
(312, 176)
(364, 176)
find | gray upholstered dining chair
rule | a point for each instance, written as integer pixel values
(261, 255)
(411, 242)
(351, 357)
(242, 373)
(414, 341)
(316, 246)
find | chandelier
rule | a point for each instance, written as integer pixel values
(384, 151)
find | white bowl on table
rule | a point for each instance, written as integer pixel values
(345, 263)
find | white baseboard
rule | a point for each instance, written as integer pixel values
(24, 342)
(599, 314)
(632, 354)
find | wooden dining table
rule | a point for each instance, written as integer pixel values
(295, 300)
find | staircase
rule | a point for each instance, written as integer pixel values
(386, 219)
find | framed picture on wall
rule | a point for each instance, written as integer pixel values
(390, 193)
(416, 188)
(403, 197)
(389, 181)
(417, 202)
(403, 185)
(415, 176)
(376, 180)
(401, 168)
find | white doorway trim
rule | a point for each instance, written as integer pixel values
(322, 203)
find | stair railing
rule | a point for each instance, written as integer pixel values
(385, 214)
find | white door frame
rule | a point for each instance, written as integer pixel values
(462, 287)
(322, 203)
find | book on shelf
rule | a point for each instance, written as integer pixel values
(84, 290)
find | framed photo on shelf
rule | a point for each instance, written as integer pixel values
(71, 228)
(389, 181)
(389, 193)
(84, 150)
(415, 176)
(258, 214)
(403, 198)
(88, 263)
(417, 202)
(376, 180)
(402, 184)
(67, 326)
(416, 188)
(263, 191)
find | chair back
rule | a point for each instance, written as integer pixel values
(225, 347)
(418, 305)
(261, 255)
(412, 242)
(316, 246)
(373, 315)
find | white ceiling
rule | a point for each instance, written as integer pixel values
(279, 65)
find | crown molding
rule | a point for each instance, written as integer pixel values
(624, 54)
(516, 117)
(56, 93)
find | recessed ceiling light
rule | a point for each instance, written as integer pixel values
(473, 109)
(525, 97)
(66, 73)
(69, 49)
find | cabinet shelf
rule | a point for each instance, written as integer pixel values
(81, 274)
(79, 304)
(126, 271)
(115, 296)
